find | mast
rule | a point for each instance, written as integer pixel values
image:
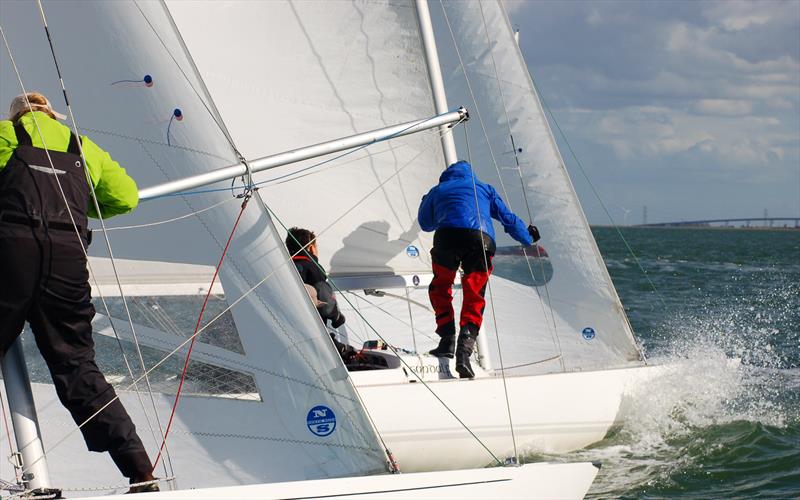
(435, 75)
(24, 419)
(440, 101)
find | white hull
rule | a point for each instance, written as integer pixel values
(552, 413)
(529, 481)
(215, 456)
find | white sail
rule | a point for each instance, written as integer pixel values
(281, 351)
(288, 74)
(579, 303)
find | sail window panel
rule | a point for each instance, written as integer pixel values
(177, 315)
(202, 378)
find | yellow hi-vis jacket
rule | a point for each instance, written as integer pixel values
(116, 191)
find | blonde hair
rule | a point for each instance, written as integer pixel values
(38, 102)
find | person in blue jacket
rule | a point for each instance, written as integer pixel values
(460, 209)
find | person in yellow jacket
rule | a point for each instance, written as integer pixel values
(45, 202)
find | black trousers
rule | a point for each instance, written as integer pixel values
(44, 280)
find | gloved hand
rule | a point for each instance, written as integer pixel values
(339, 321)
(534, 232)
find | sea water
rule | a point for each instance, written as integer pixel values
(722, 308)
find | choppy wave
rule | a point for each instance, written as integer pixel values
(722, 421)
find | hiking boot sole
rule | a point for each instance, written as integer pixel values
(438, 354)
(465, 371)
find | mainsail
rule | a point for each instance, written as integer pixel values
(133, 89)
(284, 75)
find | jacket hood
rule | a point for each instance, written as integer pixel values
(457, 170)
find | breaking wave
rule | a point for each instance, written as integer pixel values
(721, 420)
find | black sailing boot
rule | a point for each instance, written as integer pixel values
(466, 343)
(446, 347)
(447, 340)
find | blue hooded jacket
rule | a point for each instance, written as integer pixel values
(451, 203)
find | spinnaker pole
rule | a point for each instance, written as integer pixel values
(308, 152)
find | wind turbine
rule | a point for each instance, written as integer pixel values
(625, 213)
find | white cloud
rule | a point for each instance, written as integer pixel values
(738, 15)
(648, 133)
(692, 43)
(594, 18)
(724, 107)
(779, 103)
(514, 7)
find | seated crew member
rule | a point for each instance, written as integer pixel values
(43, 272)
(460, 209)
(302, 246)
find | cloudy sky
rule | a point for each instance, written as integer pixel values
(691, 108)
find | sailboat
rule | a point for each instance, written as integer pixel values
(558, 356)
(268, 409)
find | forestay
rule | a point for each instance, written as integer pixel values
(163, 127)
(290, 74)
(580, 304)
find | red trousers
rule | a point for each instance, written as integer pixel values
(472, 250)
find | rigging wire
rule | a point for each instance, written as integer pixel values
(411, 320)
(102, 223)
(491, 302)
(392, 464)
(388, 313)
(395, 352)
(491, 45)
(174, 219)
(597, 195)
(600, 200)
(553, 335)
(69, 212)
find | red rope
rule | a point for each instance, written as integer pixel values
(196, 328)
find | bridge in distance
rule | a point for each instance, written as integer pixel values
(782, 222)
